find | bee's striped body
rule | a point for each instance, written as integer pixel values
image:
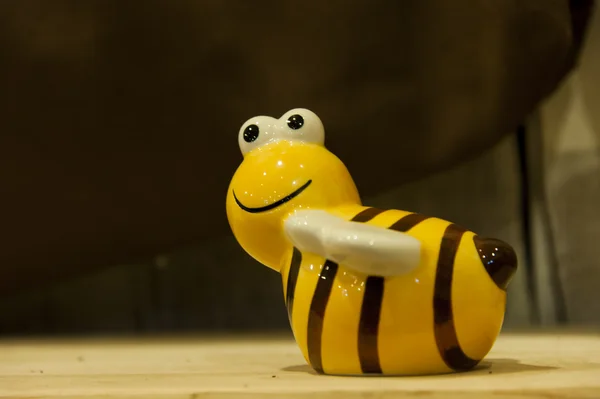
(443, 316)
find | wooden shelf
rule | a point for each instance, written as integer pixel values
(520, 366)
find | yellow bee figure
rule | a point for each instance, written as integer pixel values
(368, 291)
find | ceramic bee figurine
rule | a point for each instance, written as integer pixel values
(368, 291)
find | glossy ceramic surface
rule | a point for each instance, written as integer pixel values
(368, 291)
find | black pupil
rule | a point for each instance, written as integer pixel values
(250, 133)
(295, 122)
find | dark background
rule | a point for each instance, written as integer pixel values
(118, 120)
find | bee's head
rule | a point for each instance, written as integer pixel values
(286, 167)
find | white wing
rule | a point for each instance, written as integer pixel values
(365, 248)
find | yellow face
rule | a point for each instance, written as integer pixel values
(285, 167)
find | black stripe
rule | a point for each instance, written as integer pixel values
(317, 314)
(321, 298)
(370, 313)
(291, 282)
(368, 328)
(445, 331)
(407, 222)
(367, 214)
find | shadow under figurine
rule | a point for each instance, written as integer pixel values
(368, 291)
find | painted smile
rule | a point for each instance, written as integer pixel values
(274, 204)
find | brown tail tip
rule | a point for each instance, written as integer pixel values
(498, 258)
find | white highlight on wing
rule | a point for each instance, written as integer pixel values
(365, 248)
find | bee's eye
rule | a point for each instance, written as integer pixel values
(251, 133)
(257, 131)
(303, 125)
(298, 124)
(295, 122)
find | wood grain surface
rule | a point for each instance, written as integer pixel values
(520, 366)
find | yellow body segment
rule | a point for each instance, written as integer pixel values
(406, 336)
(340, 332)
(478, 304)
(305, 287)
